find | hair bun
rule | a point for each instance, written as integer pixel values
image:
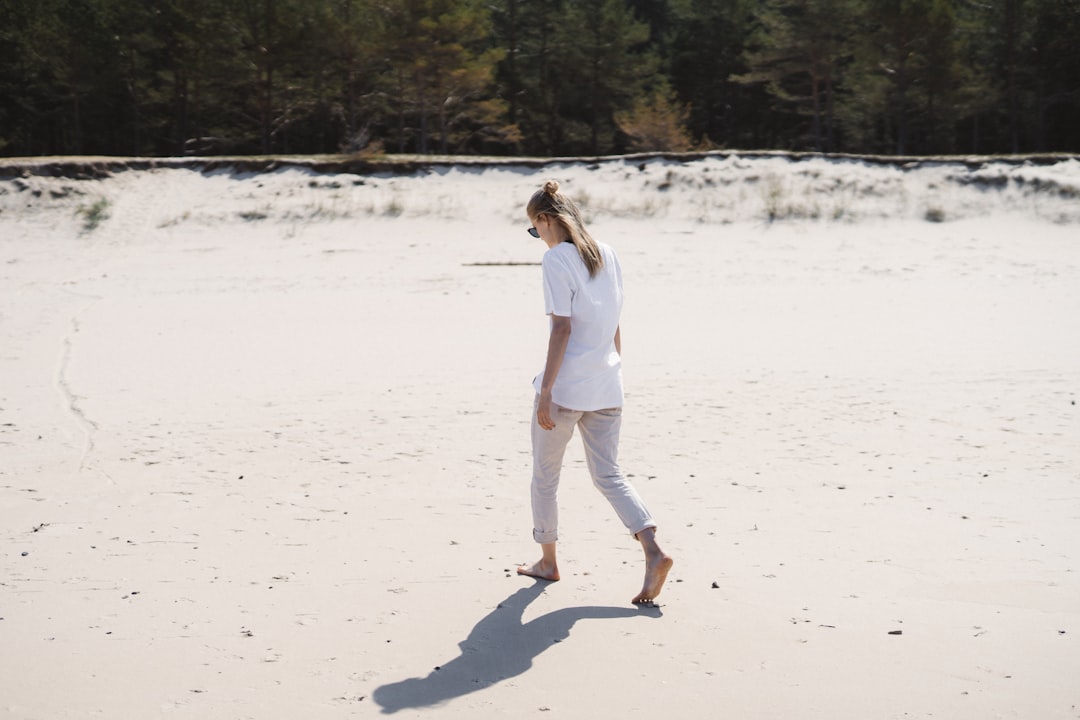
(551, 187)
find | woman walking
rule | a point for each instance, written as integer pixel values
(581, 385)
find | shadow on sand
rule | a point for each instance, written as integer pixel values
(498, 648)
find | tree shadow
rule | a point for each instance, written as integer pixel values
(499, 647)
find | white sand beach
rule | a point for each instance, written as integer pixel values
(264, 446)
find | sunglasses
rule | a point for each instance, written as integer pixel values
(534, 232)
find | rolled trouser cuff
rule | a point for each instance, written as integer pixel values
(549, 536)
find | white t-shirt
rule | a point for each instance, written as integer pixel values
(590, 377)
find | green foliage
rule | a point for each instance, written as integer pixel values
(799, 55)
(569, 67)
(549, 77)
(707, 45)
(95, 214)
(439, 74)
(605, 64)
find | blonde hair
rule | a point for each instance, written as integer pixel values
(549, 201)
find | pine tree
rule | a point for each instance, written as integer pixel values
(1056, 71)
(605, 66)
(706, 51)
(441, 73)
(911, 46)
(529, 76)
(802, 48)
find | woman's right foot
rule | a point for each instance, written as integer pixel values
(542, 570)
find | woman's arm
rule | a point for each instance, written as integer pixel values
(618, 340)
(560, 337)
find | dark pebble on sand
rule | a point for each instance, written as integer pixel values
(25, 553)
(896, 632)
(716, 586)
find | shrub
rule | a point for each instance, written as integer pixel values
(94, 215)
(656, 123)
(935, 214)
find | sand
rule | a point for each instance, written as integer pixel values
(264, 445)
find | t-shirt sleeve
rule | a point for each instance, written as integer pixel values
(618, 272)
(558, 287)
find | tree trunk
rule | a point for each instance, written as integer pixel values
(815, 96)
(514, 85)
(180, 101)
(350, 82)
(133, 93)
(444, 139)
(76, 106)
(595, 105)
(401, 111)
(828, 113)
(265, 111)
(76, 122)
(1012, 31)
(901, 108)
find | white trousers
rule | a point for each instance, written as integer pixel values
(600, 435)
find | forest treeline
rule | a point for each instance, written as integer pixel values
(537, 77)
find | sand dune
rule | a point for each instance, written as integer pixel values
(264, 448)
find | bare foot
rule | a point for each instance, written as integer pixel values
(542, 569)
(657, 565)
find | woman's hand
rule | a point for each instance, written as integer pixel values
(560, 336)
(543, 411)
